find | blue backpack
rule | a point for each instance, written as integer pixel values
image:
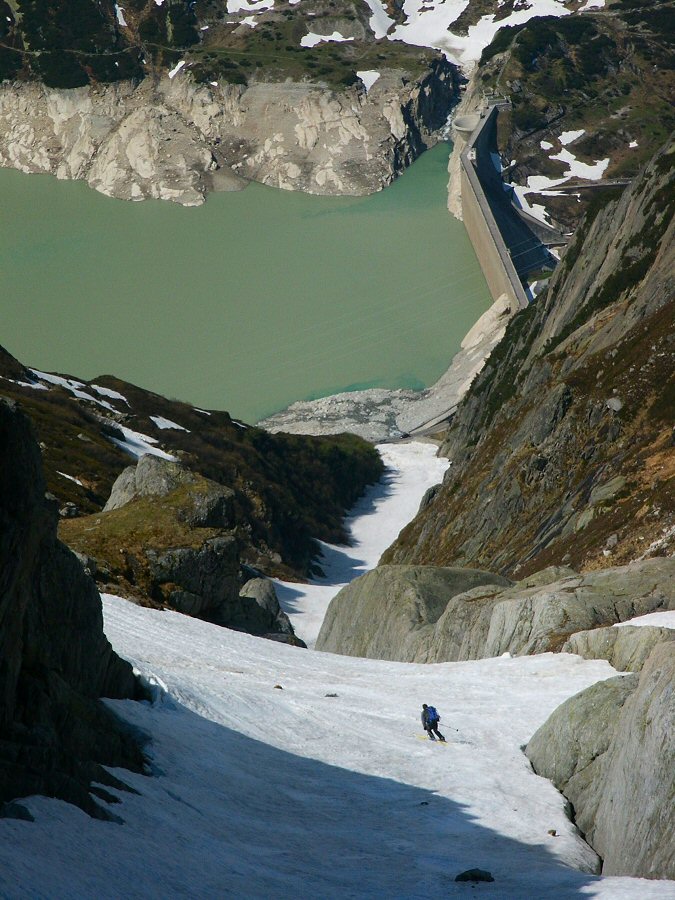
(432, 715)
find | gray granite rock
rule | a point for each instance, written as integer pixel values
(611, 751)
(150, 477)
(626, 648)
(434, 614)
(262, 590)
(390, 612)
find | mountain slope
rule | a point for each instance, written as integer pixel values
(562, 449)
(289, 491)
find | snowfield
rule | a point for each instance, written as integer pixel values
(374, 523)
(277, 772)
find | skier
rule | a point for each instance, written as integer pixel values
(430, 720)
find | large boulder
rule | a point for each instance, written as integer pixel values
(56, 660)
(433, 614)
(626, 648)
(611, 751)
(263, 592)
(390, 612)
(153, 476)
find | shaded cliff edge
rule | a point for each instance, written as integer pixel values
(55, 734)
(562, 449)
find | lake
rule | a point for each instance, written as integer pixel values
(247, 303)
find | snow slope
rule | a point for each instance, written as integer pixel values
(277, 772)
(284, 793)
(374, 524)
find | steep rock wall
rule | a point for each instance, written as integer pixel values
(561, 451)
(56, 660)
(173, 139)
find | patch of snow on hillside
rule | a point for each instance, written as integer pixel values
(368, 77)
(235, 6)
(69, 477)
(163, 423)
(108, 392)
(534, 209)
(546, 145)
(29, 384)
(380, 22)
(137, 444)
(592, 4)
(633, 144)
(249, 20)
(567, 137)
(373, 524)
(659, 619)
(119, 12)
(311, 39)
(176, 69)
(578, 169)
(428, 22)
(70, 384)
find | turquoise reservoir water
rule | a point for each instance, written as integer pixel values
(247, 303)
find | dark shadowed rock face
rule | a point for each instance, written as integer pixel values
(55, 661)
(611, 751)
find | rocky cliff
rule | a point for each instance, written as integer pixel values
(174, 100)
(562, 449)
(611, 751)
(55, 735)
(429, 614)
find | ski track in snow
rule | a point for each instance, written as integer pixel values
(261, 791)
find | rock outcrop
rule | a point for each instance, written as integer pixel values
(275, 623)
(625, 649)
(611, 751)
(429, 614)
(391, 612)
(168, 537)
(55, 735)
(177, 140)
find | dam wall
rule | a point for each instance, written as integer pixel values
(481, 225)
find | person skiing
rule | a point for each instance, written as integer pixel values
(430, 720)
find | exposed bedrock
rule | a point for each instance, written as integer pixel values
(176, 140)
(433, 614)
(626, 649)
(611, 751)
(170, 537)
(56, 661)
